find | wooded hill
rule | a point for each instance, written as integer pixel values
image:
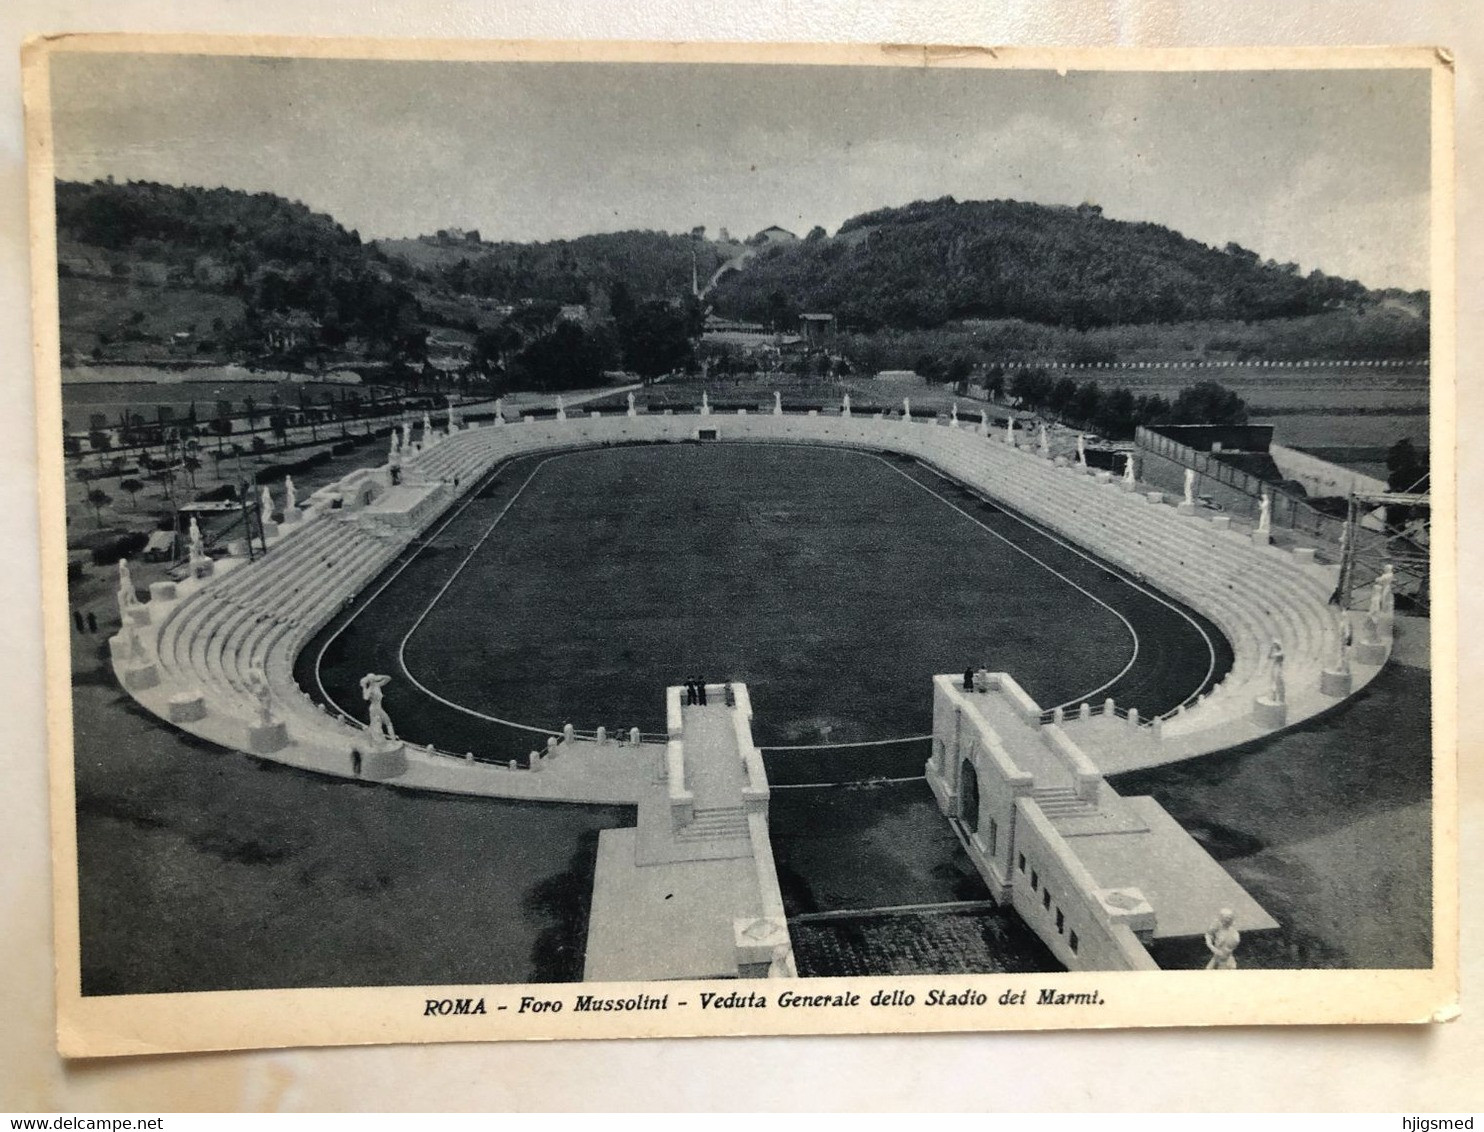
(133, 257)
(932, 262)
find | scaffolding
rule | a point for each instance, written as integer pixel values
(1386, 528)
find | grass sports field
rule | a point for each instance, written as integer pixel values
(834, 583)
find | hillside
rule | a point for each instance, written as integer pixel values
(165, 273)
(586, 270)
(932, 262)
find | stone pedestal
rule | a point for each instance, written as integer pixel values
(1124, 485)
(756, 941)
(1269, 713)
(292, 517)
(1221, 523)
(1262, 538)
(265, 738)
(270, 529)
(141, 676)
(237, 548)
(162, 591)
(1103, 477)
(1186, 508)
(187, 707)
(1333, 682)
(1304, 555)
(205, 568)
(1155, 496)
(1370, 652)
(381, 763)
(138, 615)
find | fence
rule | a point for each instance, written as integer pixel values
(1289, 511)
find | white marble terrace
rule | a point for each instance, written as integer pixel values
(190, 654)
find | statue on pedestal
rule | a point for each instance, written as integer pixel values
(1276, 692)
(1342, 661)
(561, 408)
(1010, 431)
(427, 428)
(1081, 451)
(1265, 514)
(705, 404)
(1190, 487)
(1383, 597)
(196, 543)
(379, 723)
(394, 452)
(983, 423)
(953, 416)
(128, 599)
(777, 403)
(500, 409)
(1128, 468)
(265, 501)
(257, 684)
(845, 406)
(1044, 441)
(290, 496)
(632, 412)
(453, 423)
(907, 409)
(1222, 942)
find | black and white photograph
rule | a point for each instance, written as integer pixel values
(697, 542)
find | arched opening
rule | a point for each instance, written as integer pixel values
(968, 794)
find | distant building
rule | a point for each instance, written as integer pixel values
(774, 235)
(817, 329)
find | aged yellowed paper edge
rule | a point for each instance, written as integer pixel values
(136, 1024)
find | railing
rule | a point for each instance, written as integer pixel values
(1288, 511)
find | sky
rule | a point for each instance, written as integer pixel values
(1329, 169)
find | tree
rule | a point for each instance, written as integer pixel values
(656, 339)
(1208, 402)
(1406, 467)
(133, 487)
(192, 465)
(99, 499)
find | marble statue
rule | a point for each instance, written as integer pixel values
(1010, 431)
(1383, 597)
(705, 404)
(1372, 629)
(1265, 514)
(1045, 441)
(845, 406)
(632, 411)
(953, 416)
(290, 496)
(265, 501)
(453, 423)
(128, 599)
(1222, 942)
(983, 423)
(1128, 468)
(258, 685)
(379, 723)
(1277, 693)
(907, 409)
(197, 543)
(1346, 636)
(561, 408)
(427, 428)
(777, 403)
(395, 451)
(500, 409)
(1081, 451)
(1190, 487)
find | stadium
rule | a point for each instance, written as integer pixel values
(713, 619)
